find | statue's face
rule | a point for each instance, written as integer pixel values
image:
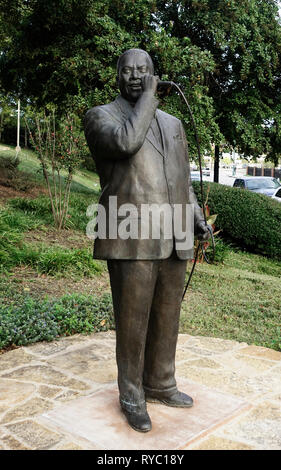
(132, 68)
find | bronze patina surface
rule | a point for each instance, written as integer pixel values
(141, 157)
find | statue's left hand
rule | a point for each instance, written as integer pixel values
(203, 231)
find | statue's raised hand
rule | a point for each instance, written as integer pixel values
(149, 83)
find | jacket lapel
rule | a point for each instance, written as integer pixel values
(163, 131)
(124, 106)
(151, 138)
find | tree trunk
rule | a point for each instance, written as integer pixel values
(1, 124)
(216, 164)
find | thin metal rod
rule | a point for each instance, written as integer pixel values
(198, 148)
(201, 187)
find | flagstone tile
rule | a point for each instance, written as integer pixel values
(185, 355)
(87, 363)
(259, 351)
(28, 409)
(49, 392)
(34, 435)
(13, 444)
(46, 375)
(261, 427)
(68, 395)
(45, 348)
(231, 381)
(12, 392)
(246, 365)
(214, 345)
(69, 446)
(219, 443)
(14, 358)
(205, 363)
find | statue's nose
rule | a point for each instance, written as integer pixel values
(135, 73)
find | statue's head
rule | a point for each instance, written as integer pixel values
(132, 65)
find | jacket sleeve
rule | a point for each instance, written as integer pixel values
(198, 213)
(108, 138)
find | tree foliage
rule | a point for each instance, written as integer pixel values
(243, 38)
(226, 55)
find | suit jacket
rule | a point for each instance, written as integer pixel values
(136, 168)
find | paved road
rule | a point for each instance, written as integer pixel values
(225, 176)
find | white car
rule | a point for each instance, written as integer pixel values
(195, 175)
(277, 195)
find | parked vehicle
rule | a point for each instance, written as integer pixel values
(277, 194)
(206, 171)
(195, 175)
(258, 184)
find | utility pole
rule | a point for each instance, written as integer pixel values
(18, 149)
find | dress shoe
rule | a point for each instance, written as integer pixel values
(177, 399)
(138, 421)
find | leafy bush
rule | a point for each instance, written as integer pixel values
(222, 249)
(89, 163)
(29, 320)
(9, 162)
(252, 221)
(11, 176)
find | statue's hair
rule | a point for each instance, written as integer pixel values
(135, 50)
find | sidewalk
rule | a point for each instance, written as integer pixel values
(42, 386)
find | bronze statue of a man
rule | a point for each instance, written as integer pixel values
(142, 158)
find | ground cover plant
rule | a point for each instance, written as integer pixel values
(27, 320)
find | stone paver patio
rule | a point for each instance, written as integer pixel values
(41, 385)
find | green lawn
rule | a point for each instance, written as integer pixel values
(238, 298)
(83, 180)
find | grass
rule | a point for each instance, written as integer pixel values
(84, 181)
(239, 298)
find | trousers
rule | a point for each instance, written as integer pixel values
(146, 300)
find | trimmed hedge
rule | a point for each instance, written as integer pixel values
(251, 220)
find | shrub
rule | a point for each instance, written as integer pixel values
(252, 221)
(29, 320)
(222, 249)
(9, 162)
(11, 176)
(89, 163)
(59, 146)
